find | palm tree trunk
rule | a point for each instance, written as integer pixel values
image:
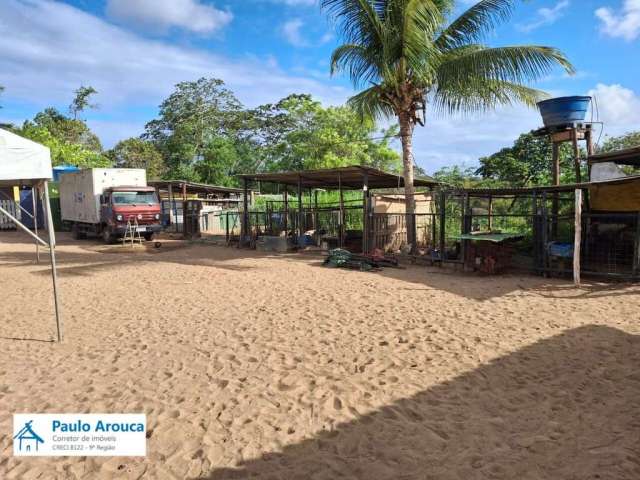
(406, 136)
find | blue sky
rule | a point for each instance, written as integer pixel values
(134, 51)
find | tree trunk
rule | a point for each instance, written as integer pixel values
(406, 136)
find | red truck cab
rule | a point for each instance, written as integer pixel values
(138, 207)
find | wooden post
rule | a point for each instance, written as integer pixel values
(171, 212)
(443, 227)
(315, 211)
(466, 227)
(365, 212)
(636, 249)
(341, 213)
(545, 234)
(535, 226)
(245, 213)
(576, 155)
(578, 238)
(300, 213)
(226, 228)
(286, 212)
(490, 221)
(556, 181)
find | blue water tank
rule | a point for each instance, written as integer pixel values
(564, 110)
(61, 169)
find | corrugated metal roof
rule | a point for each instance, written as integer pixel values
(546, 188)
(192, 187)
(629, 156)
(351, 177)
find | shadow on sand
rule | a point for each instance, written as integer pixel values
(567, 407)
(95, 257)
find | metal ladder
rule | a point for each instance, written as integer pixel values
(132, 234)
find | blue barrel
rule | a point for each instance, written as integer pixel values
(564, 110)
(62, 169)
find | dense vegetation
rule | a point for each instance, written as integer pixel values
(204, 134)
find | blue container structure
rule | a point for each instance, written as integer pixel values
(26, 202)
(561, 111)
(61, 169)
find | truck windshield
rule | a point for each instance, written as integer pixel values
(129, 198)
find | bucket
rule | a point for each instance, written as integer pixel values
(564, 110)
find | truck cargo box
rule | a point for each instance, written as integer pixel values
(80, 191)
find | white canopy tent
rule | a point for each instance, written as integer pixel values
(27, 163)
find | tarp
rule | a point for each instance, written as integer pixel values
(22, 160)
(489, 237)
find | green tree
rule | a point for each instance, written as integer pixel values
(223, 159)
(63, 152)
(458, 176)
(526, 163)
(622, 142)
(67, 129)
(409, 54)
(81, 101)
(195, 114)
(297, 133)
(138, 153)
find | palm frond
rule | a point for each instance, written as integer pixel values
(520, 64)
(474, 23)
(481, 95)
(358, 61)
(420, 20)
(371, 104)
(359, 21)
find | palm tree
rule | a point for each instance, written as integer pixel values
(407, 54)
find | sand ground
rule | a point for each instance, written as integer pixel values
(273, 367)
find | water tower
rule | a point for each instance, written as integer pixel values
(564, 121)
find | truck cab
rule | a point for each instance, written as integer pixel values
(136, 206)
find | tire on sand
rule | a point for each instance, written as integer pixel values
(107, 235)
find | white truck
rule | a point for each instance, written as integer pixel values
(103, 201)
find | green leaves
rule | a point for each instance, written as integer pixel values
(138, 153)
(473, 24)
(521, 64)
(405, 53)
(526, 163)
(81, 101)
(71, 141)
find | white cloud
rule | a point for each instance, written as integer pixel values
(624, 24)
(618, 108)
(43, 60)
(162, 14)
(455, 140)
(291, 31)
(545, 16)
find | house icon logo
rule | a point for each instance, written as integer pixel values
(27, 438)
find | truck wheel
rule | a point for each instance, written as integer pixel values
(107, 236)
(148, 237)
(76, 233)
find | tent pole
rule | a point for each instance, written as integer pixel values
(35, 221)
(52, 253)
